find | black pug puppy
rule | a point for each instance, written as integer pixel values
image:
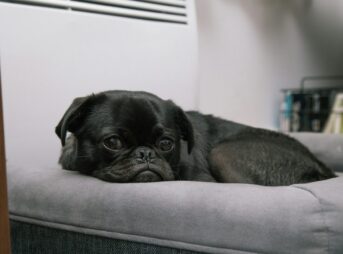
(122, 136)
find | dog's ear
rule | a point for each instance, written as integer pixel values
(186, 128)
(71, 119)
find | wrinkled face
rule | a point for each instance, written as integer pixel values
(126, 138)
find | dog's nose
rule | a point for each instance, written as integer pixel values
(145, 153)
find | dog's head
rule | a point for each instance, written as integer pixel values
(122, 136)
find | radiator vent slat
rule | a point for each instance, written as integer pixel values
(172, 11)
(180, 3)
(141, 6)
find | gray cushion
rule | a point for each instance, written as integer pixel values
(327, 147)
(209, 217)
(204, 217)
(329, 195)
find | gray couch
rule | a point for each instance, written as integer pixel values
(56, 211)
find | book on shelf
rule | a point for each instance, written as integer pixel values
(286, 112)
(334, 123)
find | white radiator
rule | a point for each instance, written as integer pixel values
(161, 10)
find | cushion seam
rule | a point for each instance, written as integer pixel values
(322, 214)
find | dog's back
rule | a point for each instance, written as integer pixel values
(240, 153)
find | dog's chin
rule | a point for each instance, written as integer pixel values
(147, 176)
(143, 172)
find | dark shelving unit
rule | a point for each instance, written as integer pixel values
(307, 108)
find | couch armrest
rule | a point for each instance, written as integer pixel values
(327, 147)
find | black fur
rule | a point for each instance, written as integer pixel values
(205, 148)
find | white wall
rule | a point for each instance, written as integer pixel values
(249, 50)
(50, 56)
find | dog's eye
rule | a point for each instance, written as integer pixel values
(166, 144)
(112, 143)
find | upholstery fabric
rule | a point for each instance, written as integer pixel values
(33, 239)
(327, 147)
